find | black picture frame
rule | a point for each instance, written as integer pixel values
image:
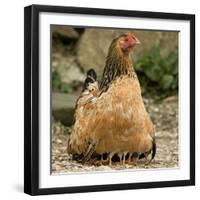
(31, 99)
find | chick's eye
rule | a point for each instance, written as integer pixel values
(126, 39)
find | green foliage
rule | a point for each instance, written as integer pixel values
(58, 85)
(158, 73)
(66, 88)
(56, 80)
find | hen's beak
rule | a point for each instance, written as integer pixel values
(137, 41)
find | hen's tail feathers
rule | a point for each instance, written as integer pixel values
(153, 151)
(89, 153)
(91, 78)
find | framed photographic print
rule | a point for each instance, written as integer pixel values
(109, 99)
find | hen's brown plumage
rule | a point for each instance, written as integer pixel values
(112, 118)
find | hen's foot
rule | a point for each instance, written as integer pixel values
(110, 157)
(124, 158)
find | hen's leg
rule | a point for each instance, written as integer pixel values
(129, 158)
(124, 157)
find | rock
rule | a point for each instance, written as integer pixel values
(94, 43)
(92, 48)
(63, 58)
(59, 141)
(64, 32)
(67, 67)
(168, 42)
(63, 107)
(171, 98)
(63, 101)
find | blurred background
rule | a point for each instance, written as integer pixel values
(75, 50)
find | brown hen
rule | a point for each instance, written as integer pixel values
(111, 118)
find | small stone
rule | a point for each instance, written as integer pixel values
(59, 141)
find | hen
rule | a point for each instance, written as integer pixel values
(110, 117)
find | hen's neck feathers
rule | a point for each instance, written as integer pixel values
(117, 65)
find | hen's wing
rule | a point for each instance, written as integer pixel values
(81, 143)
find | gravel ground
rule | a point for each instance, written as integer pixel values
(165, 117)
